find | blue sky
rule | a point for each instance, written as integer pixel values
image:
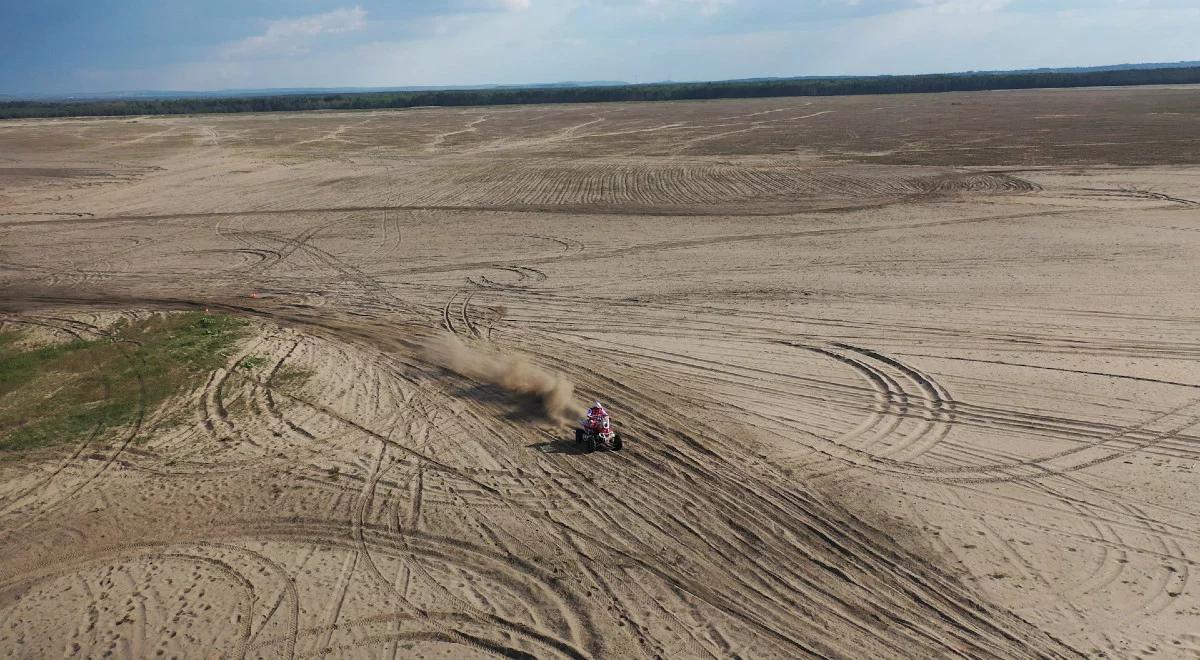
(60, 46)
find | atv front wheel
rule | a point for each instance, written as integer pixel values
(617, 442)
(590, 445)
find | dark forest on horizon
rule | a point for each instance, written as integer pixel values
(842, 86)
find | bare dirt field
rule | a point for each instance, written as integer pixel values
(900, 376)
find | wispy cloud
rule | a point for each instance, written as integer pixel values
(291, 36)
(704, 7)
(965, 6)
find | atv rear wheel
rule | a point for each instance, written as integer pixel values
(590, 443)
(578, 435)
(616, 443)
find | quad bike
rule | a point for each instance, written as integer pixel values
(596, 434)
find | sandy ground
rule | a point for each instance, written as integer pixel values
(905, 376)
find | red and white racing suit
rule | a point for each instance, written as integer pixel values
(597, 419)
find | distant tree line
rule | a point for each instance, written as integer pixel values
(953, 82)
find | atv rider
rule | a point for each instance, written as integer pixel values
(597, 418)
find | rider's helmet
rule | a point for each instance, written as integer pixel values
(597, 410)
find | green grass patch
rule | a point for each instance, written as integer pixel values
(251, 362)
(68, 392)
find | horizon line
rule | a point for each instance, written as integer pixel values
(165, 94)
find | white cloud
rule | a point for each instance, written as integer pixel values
(965, 6)
(710, 7)
(703, 7)
(291, 36)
